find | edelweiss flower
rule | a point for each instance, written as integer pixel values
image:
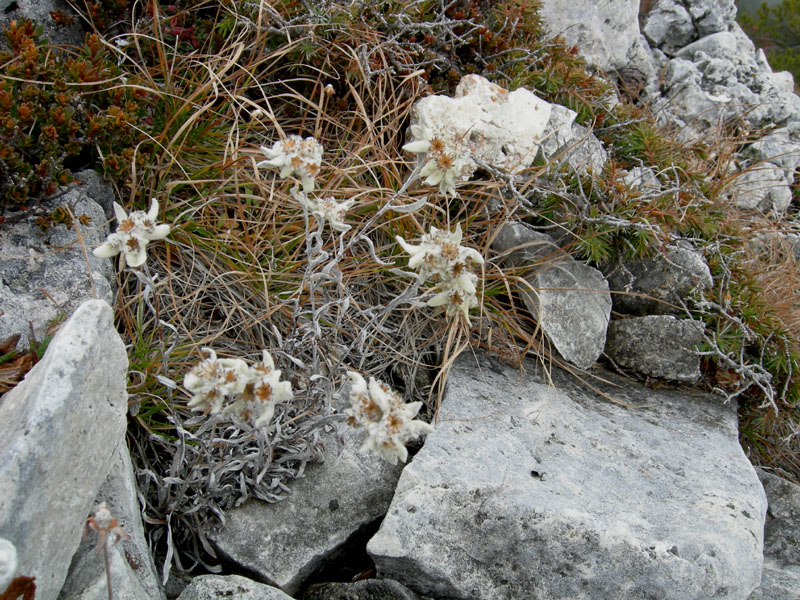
(250, 392)
(458, 295)
(329, 210)
(133, 234)
(295, 156)
(440, 255)
(447, 158)
(262, 393)
(213, 379)
(389, 421)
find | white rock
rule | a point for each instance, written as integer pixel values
(502, 128)
(605, 31)
(8, 563)
(59, 428)
(566, 142)
(533, 488)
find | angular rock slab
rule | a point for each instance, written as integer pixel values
(660, 284)
(569, 299)
(782, 531)
(215, 587)
(133, 573)
(529, 490)
(59, 428)
(286, 542)
(605, 31)
(657, 345)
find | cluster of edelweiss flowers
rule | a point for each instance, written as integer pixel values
(230, 385)
(302, 158)
(442, 259)
(389, 422)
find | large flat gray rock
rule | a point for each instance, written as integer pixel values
(286, 542)
(60, 427)
(535, 490)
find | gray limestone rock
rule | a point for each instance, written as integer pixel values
(228, 587)
(712, 16)
(778, 582)
(762, 187)
(569, 299)
(134, 574)
(534, 489)
(642, 179)
(780, 148)
(286, 542)
(368, 589)
(605, 31)
(780, 579)
(60, 427)
(659, 284)
(668, 26)
(567, 143)
(782, 530)
(719, 78)
(657, 345)
(46, 275)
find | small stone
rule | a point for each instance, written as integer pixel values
(657, 345)
(216, 587)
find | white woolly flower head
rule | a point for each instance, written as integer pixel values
(457, 295)
(213, 379)
(439, 256)
(133, 233)
(447, 156)
(388, 421)
(263, 392)
(229, 385)
(295, 156)
(8, 563)
(327, 209)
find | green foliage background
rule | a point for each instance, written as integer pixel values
(777, 30)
